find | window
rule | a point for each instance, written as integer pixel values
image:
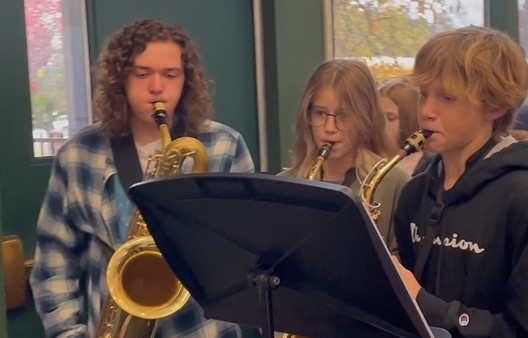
(388, 33)
(58, 77)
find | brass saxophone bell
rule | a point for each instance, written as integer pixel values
(142, 283)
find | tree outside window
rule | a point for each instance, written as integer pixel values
(52, 44)
(388, 33)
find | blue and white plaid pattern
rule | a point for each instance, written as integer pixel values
(78, 229)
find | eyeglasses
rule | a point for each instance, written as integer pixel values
(317, 118)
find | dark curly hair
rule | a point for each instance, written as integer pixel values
(115, 63)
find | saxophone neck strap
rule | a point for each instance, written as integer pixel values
(126, 160)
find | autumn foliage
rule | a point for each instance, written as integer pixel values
(43, 19)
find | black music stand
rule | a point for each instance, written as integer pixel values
(279, 253)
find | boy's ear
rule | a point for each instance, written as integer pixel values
(492, 115)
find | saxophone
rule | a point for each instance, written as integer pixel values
(141, 286)
(413, 143)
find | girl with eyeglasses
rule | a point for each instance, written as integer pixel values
(340, 106)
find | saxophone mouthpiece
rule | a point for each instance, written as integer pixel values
(160, 117)
(415, 142)
(325, 150)
(426, 133)
(160, 114)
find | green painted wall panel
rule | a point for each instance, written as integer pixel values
(299, 50)
(503, 16)
(3, 319)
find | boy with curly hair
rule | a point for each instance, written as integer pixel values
(86, 211)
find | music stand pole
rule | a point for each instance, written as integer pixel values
(264, 281)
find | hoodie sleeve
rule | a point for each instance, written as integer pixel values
(467, 321)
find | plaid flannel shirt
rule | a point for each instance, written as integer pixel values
(78, 230)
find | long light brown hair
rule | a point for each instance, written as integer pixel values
(355, 86)
(115, 63)
(405, 95)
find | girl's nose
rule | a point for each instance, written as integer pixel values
(330, 124)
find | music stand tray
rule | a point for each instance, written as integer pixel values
(280, 253)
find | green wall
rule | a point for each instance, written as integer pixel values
(3, 319)
(503, 16)
(293, 48)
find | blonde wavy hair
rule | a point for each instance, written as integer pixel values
(479, 64)
(355, 86)
(115, 62)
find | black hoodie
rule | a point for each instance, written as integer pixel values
(468, 246)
